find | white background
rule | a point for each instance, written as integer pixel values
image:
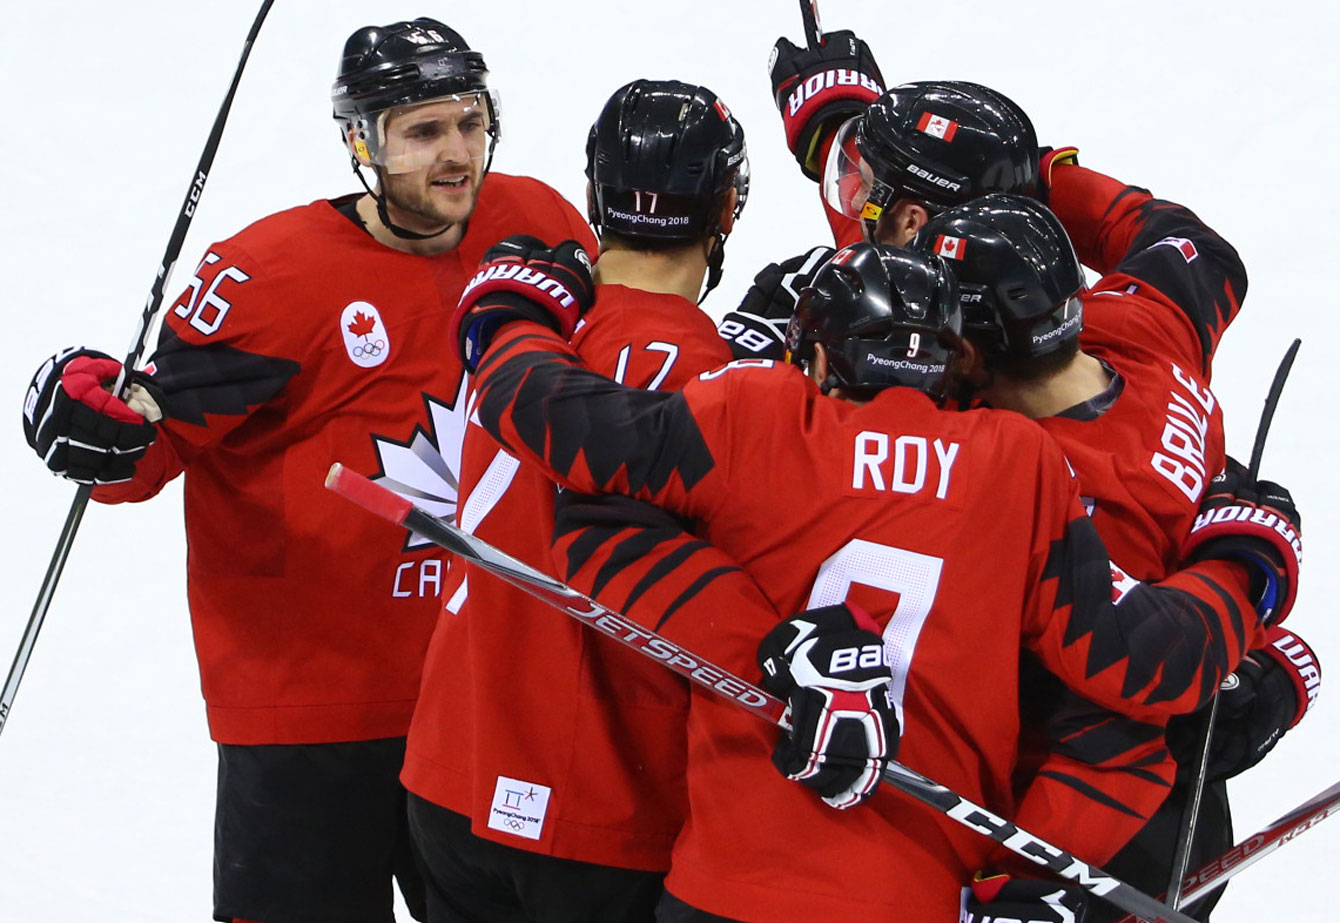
(106, 770)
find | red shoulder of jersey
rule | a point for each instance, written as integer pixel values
(1144, 462)
(648, 339)
(1149, 246)
(507, 202)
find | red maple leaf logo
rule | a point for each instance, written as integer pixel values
(362, 324)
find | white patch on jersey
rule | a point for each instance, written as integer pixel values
(458, 598)
(737, 364)
(490, 489)
(427, 469)
(1183, 246)
(519, 807)
(1122, 583)
(365, 337)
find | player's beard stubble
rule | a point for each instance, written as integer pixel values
(421, 201)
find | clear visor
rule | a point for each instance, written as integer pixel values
(848, 179)
(450, 130)
(742, 179)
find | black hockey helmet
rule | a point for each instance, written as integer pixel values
(885, 316)
(660, 157)
(1018, 274)
(939, 143)
(402, 64)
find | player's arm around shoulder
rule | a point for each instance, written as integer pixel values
(1143, 650)
(1153, 254)
(586, 431)
(643, 562)
(648, 340)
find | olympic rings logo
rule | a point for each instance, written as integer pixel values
(513, 823)
(370, 350)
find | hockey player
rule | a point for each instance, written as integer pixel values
(1118, 374)
(560, 801)
(886, 169)
(1142, 457)
(883, 494)
(315, 335)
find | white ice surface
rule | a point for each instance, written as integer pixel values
(106, 771)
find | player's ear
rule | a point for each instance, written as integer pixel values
(900, 223)
(817, 367)
(970, 366)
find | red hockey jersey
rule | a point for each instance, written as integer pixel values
(963, 531)
(1170, 287)
(517, 698)
(299, 342)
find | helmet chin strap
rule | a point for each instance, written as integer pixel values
(397, 230)
(715, 257)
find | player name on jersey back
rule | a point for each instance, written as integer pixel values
(904, 464)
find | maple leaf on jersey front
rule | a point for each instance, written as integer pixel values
(426, 468)
(362, 325)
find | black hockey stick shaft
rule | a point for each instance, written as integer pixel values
(1259, 845)
(151, 304)
(395, 508)
(809, 15)
(1186, 830)
(1268, 411)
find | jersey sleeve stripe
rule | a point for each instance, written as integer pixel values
(1088, 791)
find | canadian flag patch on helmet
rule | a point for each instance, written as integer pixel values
(949, 247)
(937, 126)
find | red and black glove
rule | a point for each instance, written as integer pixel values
(1259, 703)
(1257, 523)
(1049, 158)
(1023, 900)
(75, 425)
(816, 89)
(757, 328)
(522, 278)
(829, 665)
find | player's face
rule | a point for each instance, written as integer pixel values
(434, 161)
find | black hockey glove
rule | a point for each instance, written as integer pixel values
(757, 328)
(829, 665)
(817, 90)
(78, 428)
(1264, 698)
(1023, 900)
(1258, 524)
(522, 278)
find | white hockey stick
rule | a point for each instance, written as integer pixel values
(390, 505)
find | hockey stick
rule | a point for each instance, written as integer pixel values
(809, 14)
(391, 506)
(1259, 845)
(1185, 833)
(137, 344)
